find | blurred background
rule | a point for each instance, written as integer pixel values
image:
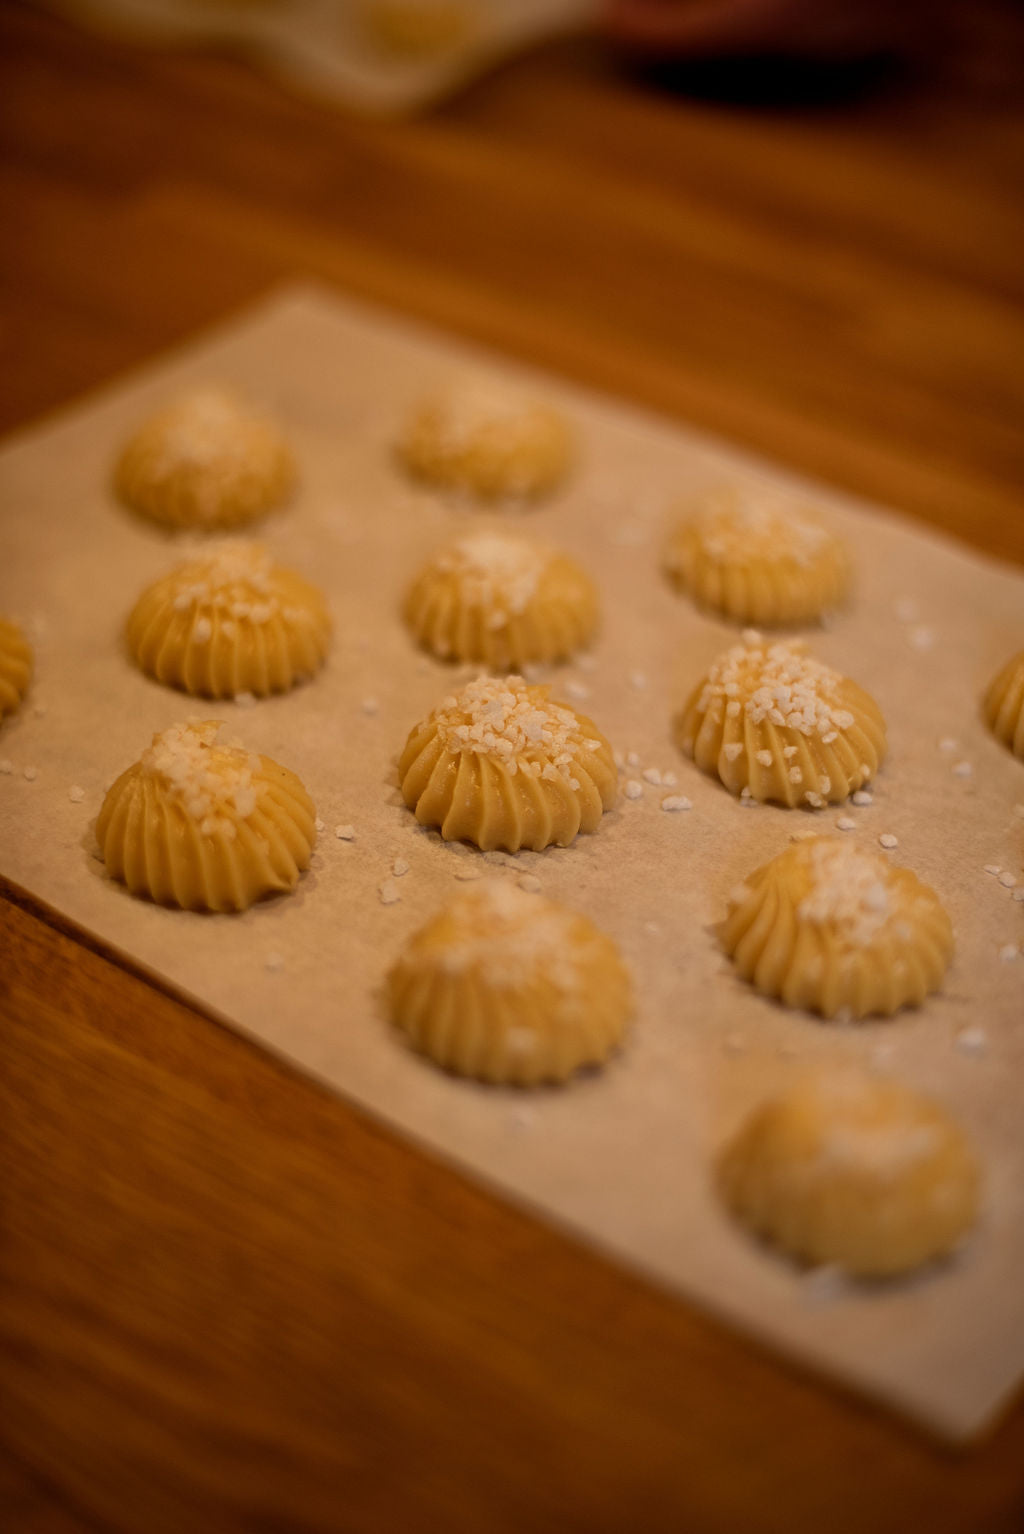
(794, 222)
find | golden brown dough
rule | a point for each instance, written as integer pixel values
(500, 764)
(15, 666)
(488, 441)
(832, 928)
(774, 724)
(205, 825)
(503, 601)
(510, 988)
(1004, 705)
(230, 622)
(855, 1171)
(206, 461)
(753, 556)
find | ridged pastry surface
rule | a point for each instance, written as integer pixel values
(854, 1171)
(775, 724)
(206, 461)
(15, 666)
(206, 825)
(1004, 705)
(503, 601)
(501, 764)
(510, 988)
(832, 928)
(229, 622)
(749, 554)
(488, 441)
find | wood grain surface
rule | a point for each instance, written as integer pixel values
(227, 1300)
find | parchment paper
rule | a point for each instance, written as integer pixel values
(621, 1157)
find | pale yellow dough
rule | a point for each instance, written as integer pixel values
(500, 764)
(510, 988)
(416, 28)
(774, 724)
(206, 461)
(853, 1171)
(753, 556)
(832, 928)
(205, 825)
(503, 601)
(15, 666)
(229, 622)
(487, 441)
(1004, 705)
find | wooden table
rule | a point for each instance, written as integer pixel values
(228, 1300)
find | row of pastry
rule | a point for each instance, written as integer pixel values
(501, 985)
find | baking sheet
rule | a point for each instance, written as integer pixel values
(621, 1158)
(332, 49)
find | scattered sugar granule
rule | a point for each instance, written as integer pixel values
(202, 630)
(825, 1285)
(652, 927)
(345, 833)
(765, 758)
(972, 1041)
(388, 892)
(888, 841)
(370, 706)
(905, 609)
(1009, 952)
(862, 797)
(949, 744)
(577, 690)
(844, 823)
(734, 1043)
(6, 766)
(399, 867)
(31, 773)
(274, 961)
(632, 760)
(802, 836)
(618, 758)
(921, 638)
(669, 780)
(963, 770)
(1007, 879)
(993, 869)
(76, 794)
(633, 789)
(652, 775)
(1018, 893)
(245, 699)
(318, 823)
(673, 802)
(530, 883)
(638, 680)
(732, 750)
(466, 872)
